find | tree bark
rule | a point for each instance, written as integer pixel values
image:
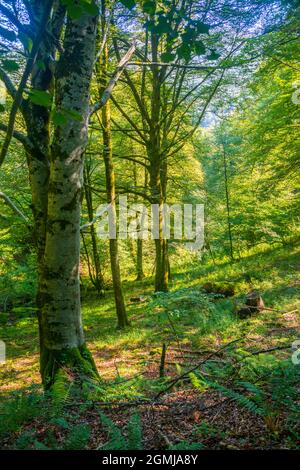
(96, 277)
(62, 340)
(227, 201)
(110, 185)
(155, 160)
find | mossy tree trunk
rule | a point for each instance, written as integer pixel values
(96, 275)
(55, 173)
(139, 242)
(110, 183)
(62, 339)
(154, 150)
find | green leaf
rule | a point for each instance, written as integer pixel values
(72, 114)
(90, 7)
(163, 25)
(41, 65)
(10, 65)
(189, 35)
(167, 57)
(199, 48)
(41, 98)
(184, 52)
(149, 7)
(58, 119)
(202, 28)
(213, 55)
(75, 12)
(149, 25)
(128, 3)
(26, 41)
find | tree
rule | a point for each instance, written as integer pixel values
(102, 69)
(55, 169)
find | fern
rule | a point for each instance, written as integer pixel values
(24, 440)
(61, 422)
(116, 439)
(78, 438)
(134, 433)
(184, 445)
(242, 400)
(198, 382)
(40, 446)
(23, 407)
(256, 391)
(60, 390)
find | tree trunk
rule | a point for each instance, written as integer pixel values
(139, 259)
(155, 160)
(227, 202)
(139, 242)
(110, 187)
(63, 349)
(37, 119)
(96, 277)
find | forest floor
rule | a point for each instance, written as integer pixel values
(242, 394)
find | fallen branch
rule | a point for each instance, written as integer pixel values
(262, 351)
(186, 374)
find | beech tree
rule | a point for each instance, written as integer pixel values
(60, 78)
(102, 69)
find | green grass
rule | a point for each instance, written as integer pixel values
(184, 315)
(128, 361)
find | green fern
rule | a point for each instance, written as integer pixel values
(198, 382)
(40, 446)
(256, 391)
(134, 433)
(117, 441)
(242, 400)
(184, 445)
(23, 407)
(78, 438)
(60, 390)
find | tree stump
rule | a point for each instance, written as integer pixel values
(255, 301)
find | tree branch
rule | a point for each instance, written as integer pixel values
(172, 64)
(28, 69)
(8, 83)
(14, 20)
(13, 207)
(113, 81)
(18, 136)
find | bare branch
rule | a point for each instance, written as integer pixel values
(18, 136)
(14, 20)
(28, 69)
(113, 81)
(13, 207)
(8, 83)
(173, 64)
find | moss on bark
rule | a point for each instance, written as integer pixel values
(74, 362)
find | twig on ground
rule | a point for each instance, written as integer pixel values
(185, 374)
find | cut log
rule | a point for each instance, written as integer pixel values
(255, 301)
(246, 312)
